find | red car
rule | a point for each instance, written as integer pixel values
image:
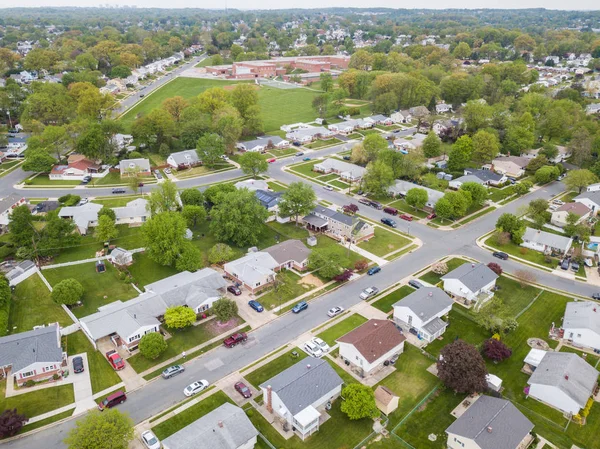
(406, 217)
(115, 360)
(235, 290)
(234, 339)
(431, 216)
(270, 161)
(242, 389)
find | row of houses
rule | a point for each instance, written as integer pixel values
(85, 216)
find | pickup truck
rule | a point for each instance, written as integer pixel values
(234, 339)
(115, 360)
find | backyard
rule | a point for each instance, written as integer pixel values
(384, 242)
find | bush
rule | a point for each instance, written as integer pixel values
(68, 292)
(440, 268)
(361, 264)
(496, 350)
(55, 376)
(523, 250)
(152, 345)
(29, 383)
(496, 268)
(224, 309)
(69, 200)
(179, 317)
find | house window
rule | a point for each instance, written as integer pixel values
(27, 374)
(459, 442)
(134, 338)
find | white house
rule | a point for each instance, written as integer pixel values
(337, 225)
(296, 394)
(545, 242)
(138, 166)
(559, 216)
(347, 171)
(590, 198)
(471, 281)
(563, 154)
(135, 212)
(563, 380)
(421, 313)
(84, 217)
(183, 159)
(255, 270)
(581, 324)
(593, 187)
(442, 108)
(262, 144)
(401, 116)
(307, 135)
(7, 205)
(290, 254)
(401, 188)
(121, 257)
(483, 177)
(368, 346)
(513, 166)
(379, 120)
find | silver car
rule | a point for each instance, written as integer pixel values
(150, 440)
(369, 292)
(172, 371)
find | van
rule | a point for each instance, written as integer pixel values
(390, 210)
(116, 398)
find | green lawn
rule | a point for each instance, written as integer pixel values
(324, 241)
(145, 271)
(514, 297)
(342, 328)
(460, 326)
(497, 195)
(329, 177)
(110, 178)
(276, 187)
(434, 278)
(306, 169)
(44, 180)
(339, 184)
(386, 303)
(384, 242)
(100, 288)
(274, 367)
(116, 201)
(323, 143)
(289, 230)
(32, 305)
(37, 402)
(522, 252)
(403, 206)
(102, 375)
(292, 289)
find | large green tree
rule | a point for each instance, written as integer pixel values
(253, 163)
(164, 237)
(359, 401)
(485, 147)
(328, 261)
(109, 429)
(479, 193)
(460, 154)
(163, 198)
(298, 199)
(68, 292)
(417, 198)
(39, 161)
(432, 145)
(224, 309)
(178, 317)
(106, 229)
(378, 178)
(210, 148)
(152, 345)
(579, 179)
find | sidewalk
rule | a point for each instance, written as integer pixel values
(367, 255)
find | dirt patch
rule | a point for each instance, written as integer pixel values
(217, 328)
(309, 279)
(233, 86)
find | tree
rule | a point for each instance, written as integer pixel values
(378, 178)
(163, 198)
(546, 174)
(417, 198)
(320, 104)
(39, 161)
(108, 212)
(11, 423)
(537, 207)
(523, 187)
(581, 146)
(444, 209)
(479, 193)
(298, 199)
(224, 309)
(193, 214)
(496, 350)
(152, 345)
(120, 71)
(432, 145)
(175, 106)
(420, 113)
(462, 51)
(460, 154)
(485, 147)
(68, 292)
(191, 197)
(495, 267)
(220, 253)
(238, 218)
(215, 193)
(525, 277)
(327, 261)
(229, 125)
(326, 81)
(372, 145)
(253, 163)
(164, 237)
(537, 162)
(106, 229)
(109, 429)
(343, 276)
(350, 209)
(461, 368)
(359, 401)
(579, 179)
(190, 258)
(179, 317)
(210, 148)
(154, 129)
(476, 115)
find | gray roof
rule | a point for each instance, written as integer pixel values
(185, 157)
(592, 196)
(341, 166)
(81, 215)
(39, 345)
(133, 209)
(333, 215)
(546, 238)
(426, 302)
(485, 175)
(18, 270)
(379, 118)
(569, 373)
(267, 198)
(582, 315)
(315, 221)
(469, 178)
(304, 383)
(226, 427)
(402, 187)
(435, 325)
(289, 250)
(253, 267)
(262, 141)
(493, 424)
(7, 202)
(141, 164)
(473, 276)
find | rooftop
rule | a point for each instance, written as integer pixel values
(38, 345)
(374, 338)
(576, 208)
(582, 315)
(289, 250)
(474, 276)
(546, 238)
(427, 302)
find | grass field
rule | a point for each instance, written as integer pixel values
(293, 289)
(384, 242)
(37, 402)
(342, 328)
(385, 304)
(274, 367)
(434, 278)
(145, 271)
(460, 326)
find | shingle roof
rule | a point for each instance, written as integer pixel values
(82, 215)
(493, 424)
(267, 198)
(226, 427)
(334, 215)
(576, 208)
(341, 166)
(253, 267)
(185, 157)
(7, 202)
(374, 338)
(384, 395)
(23, 349)
(426, 302)
(252, 184)
(289, 250)
(141, 164)
(473, 276)
(133, 209)
(593, 196)
(469, 178)
(582, 315)
(262, 141)
(402, 187)
(546, 238)
(304, 383)
(485, 175)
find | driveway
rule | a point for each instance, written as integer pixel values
(229, 389)
(82, 385)
(130, 378)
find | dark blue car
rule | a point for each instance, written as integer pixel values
(256, 305)
(374, 270)
(300, 307)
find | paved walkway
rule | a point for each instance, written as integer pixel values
(368, 311)
(367, 255)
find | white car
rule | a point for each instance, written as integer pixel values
(328, 188)
(84, 201)
(321, 344)
(313, 349)
(554, 207)
(559, 202)
(335, 311)
(150, 440)
(368, 292)
(196, 387)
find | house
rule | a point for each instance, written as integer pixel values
(593, 187)
(421, 313)
(7, 204)
(559, 216)
(269, 199)
(139, 167)
(121, 257)
(546, 242)
(474, 282)
(593, 108)
(563, 380)
(262, 144)
(307, 135)
(533, 359)
(135, 212)
(591, 199)
(563, 154)
(21, 272)
(125, 323)
(483, 177)
(84, 217)
(385, 400)
(252, 185)
(513, 166)
(337, 225)
(122, 141)
(78, 167)
(401, 116)
(184, 159)
(226, 427)
(442, 108)
(379, 120)
(401, 188)
(255, 271)
(296, 394)
(347, 171)
(368, 346)
(581, 324)
(348, 126)
(33, 355)
(290, 254)
(490, 423)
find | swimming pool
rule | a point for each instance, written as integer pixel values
(592, 246)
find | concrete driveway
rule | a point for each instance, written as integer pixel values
(229, 389)
(82, 385)
(130, 378)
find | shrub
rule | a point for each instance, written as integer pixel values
(152, 345)
(523, 250)
(68, 292)
(496, 350)
(440, 268)
(343, 277)
(496, 268)
(224, 309)
(502, 238)
(179, 317)
(361, 264)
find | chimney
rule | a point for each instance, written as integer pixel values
(269, 399)
(220, 424)
(489, 429)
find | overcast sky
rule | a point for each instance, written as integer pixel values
(278, 4)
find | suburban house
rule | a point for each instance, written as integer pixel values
(483, 177)
(581, 324)
(442, 108)
(474, 282)
(369, 345)
(255, 271)
(20, 272)
(401, 188)
(252, 185)
(347, 171)
(121, 257)
(307, 135)
(421, 312)
(490, 423)
(385, 400)
(348, 126)
(546, 242)
(84, 217)
(296, 394)
(513, 166)
(401, 116)
(591, 199)
(125, 323)
(226, 427)
(563, 154)
(290, 254)
(269, 199)
(338, 225)
(263, 144)
(593, 187)
(33, 355)
(563, 380)
(122, 141)
(379, 120)
(183, 159)
(7, 204)
(134, 212)
(559, 216)
(139, 167)
(78, 167)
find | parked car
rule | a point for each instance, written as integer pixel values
(312, 349)
(511, 180)
(296, 144)
(321, 344)
(196, 387)
(114, 399)
(172, 371)
(376, 205)
(554, 207)
(299, 153)
(328, 188)
(431, 216)
(150, 440)
(142, 95)
(575, 267)
(346, 158)
(118, 190)
(86, 179)
(414, 283)
(243, 389)
(306, 159)
(390, 210)
(270, 161)
(300, 307)
(235, 290)
(115, 360)
(368, 292)
(565, 264)
(256, 305)
(389, 222)
(406, 217)
(596, 296)
(235, 339)
(84, 201)
(168, 171)
(365, 201)
(500, 255)
(78, 364)
(559, 202)
(374, 270)
(335, 311)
